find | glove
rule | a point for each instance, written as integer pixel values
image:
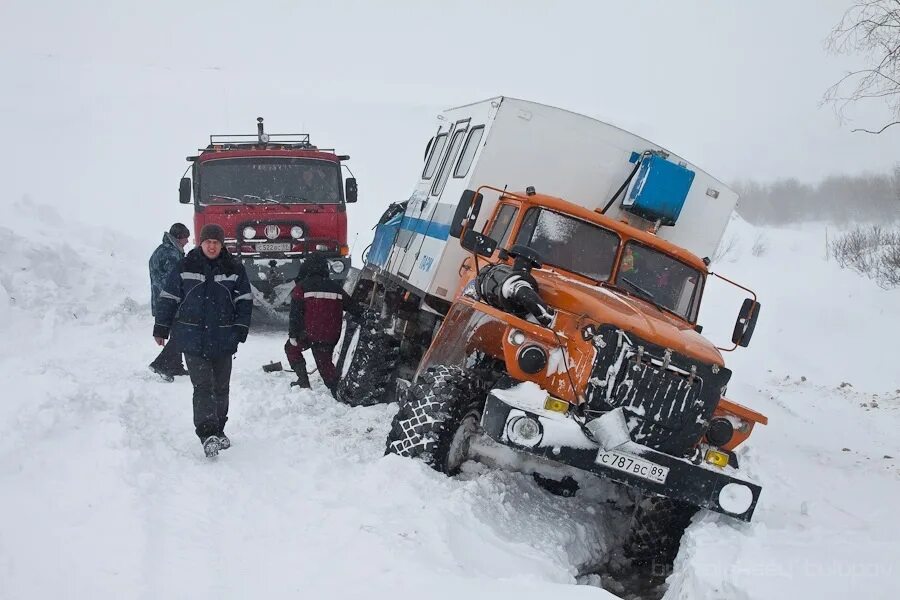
(293, 341)
(160, 331)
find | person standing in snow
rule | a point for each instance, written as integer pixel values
(317, 310)
(166, 256)
(206, 305)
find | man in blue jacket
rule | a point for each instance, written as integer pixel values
(206, 305)
(162, 261)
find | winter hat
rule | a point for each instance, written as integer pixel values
(179, 231)
(211, 231)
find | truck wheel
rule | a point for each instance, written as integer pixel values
(370, 368)
(656, 529)
(437, 419)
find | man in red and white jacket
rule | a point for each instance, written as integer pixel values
(317, 311)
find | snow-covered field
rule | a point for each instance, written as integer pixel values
(104, 492)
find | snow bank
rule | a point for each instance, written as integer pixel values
(822, 367)
(103, 479)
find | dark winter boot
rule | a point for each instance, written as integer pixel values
(302, 377)
(165, 375)
(212, 445)
(224, 442)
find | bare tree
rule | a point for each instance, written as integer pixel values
(870, 28)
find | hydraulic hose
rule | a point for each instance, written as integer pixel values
(637, 165)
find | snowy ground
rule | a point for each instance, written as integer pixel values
(105, 493)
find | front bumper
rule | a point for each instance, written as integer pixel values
(563, 442)
(286, 268)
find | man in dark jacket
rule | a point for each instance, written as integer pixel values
(206, 305)
(162, 261)
(317, 310)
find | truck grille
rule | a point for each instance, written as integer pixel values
(668, 398)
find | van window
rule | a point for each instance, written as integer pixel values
(436, 148)
(502, 226)
(455, 143)
(468, 153)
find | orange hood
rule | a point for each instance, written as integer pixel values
(603, 305)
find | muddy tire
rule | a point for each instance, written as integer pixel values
(656, 529)
(369, 376)
(438, 416)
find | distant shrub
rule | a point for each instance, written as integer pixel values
(728, 249)
(760, 246)
(872, 251)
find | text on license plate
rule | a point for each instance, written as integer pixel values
(264, 247)
(634, 465)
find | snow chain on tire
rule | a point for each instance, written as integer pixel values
(431, 413)
(656, 530)
(370, 376)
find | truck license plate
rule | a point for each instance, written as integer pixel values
(634, 465)
(264, 247)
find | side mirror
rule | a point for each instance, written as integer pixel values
(466, 212)
(746, 323)
(478, 243)
(350, 190)
(184, 190)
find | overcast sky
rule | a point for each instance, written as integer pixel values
(101, 101)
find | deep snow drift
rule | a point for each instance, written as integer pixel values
(105, 492)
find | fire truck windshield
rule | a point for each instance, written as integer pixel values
(267, 179)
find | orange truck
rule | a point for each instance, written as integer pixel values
(569, 333)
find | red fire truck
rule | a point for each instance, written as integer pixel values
(278, 198)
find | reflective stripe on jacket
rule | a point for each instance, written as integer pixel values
(206, 305)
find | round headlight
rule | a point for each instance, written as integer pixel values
(249, 232)
(272, 231)
(735, 498)
(337, 266)
(516, 337)
(719, 432)
(532, 359)
(296, 232)
(524, 431)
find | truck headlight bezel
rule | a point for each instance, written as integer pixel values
(532, 359)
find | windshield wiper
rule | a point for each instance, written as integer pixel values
(297, 198)
(638, 288)
(232, 198)
(641, 293)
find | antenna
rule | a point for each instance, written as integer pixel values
(260, 132)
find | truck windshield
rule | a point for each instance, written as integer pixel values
(570, 243)
(663, 280)
(269, 179)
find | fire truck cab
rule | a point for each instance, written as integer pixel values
(279, 199)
